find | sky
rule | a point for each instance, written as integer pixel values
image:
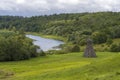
(47, 7)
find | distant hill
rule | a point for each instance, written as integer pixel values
(100, 26)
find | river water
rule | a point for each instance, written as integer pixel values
(44, 43)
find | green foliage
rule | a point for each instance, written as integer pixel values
(7, 34)
(116, 31)
(99, 37)
(51, 52)
(75, 48)
(102, 27)
(115, 48)
(16, 47)
(109, 41)
(42, 53)
(74, 27)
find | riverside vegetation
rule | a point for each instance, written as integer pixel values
(102, 27)
(15, 46)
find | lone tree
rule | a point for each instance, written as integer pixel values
(89, 51)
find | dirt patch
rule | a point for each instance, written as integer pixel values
(5, 74)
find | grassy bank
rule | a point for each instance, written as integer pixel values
(70, 66)
(48, 36)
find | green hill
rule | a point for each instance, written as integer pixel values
(102, 27)
(70, 66)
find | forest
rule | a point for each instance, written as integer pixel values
(102, 27)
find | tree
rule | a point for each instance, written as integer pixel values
(15, 47)
(99, 37)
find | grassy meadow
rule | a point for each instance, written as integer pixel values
(71, 66)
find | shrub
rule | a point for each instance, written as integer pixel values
(75, 48)
(42, 53)
(109, 42)
(16, 48)
(56, 52)
(115, 48)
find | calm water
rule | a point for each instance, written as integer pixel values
(44, 43)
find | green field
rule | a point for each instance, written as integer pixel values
(70, 66)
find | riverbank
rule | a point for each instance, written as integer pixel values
(48, 36)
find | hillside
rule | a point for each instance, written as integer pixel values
(102, 27)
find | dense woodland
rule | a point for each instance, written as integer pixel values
(102, 27)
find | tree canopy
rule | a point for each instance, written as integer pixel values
(75, 27)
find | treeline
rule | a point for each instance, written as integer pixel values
(102, 27)
(15, 46)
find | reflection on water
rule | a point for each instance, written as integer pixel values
(44, 43)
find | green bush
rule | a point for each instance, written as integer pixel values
(16, 48)
(56, 52)
(42, 53)
(115, 48)
(109, 42)
(75, 48)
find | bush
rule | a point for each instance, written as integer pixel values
(115, 48)
(42, 53)
(16, 48)
(56, 52)
(75, 48)
(109, 42)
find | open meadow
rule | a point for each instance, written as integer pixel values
(71, 66)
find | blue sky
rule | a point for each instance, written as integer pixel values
(43, 7)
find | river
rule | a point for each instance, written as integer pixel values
(44, 43)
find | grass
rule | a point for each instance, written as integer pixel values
(70, 66)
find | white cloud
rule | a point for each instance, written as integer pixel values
(20, 1)
(69, 2)
(106, 4)
(57, 6)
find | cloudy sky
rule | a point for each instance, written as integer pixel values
(42, 7)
